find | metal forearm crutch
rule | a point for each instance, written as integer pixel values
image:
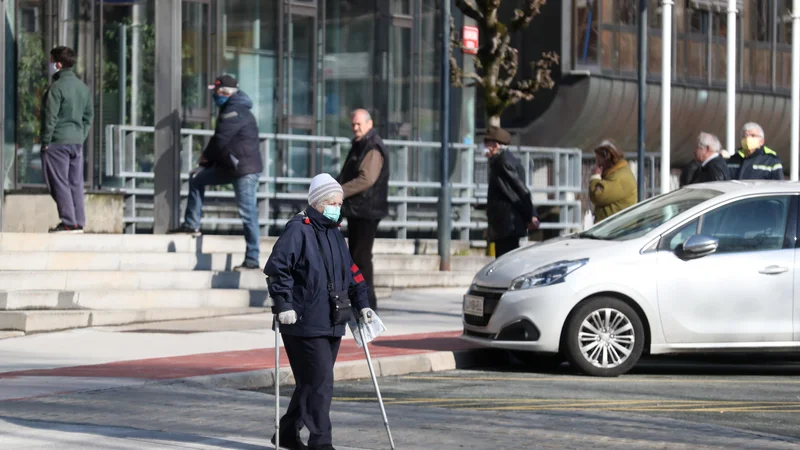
(375, 382)
(275, 327)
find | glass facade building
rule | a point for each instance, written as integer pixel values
(305, 63)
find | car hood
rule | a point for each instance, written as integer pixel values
(500, 272)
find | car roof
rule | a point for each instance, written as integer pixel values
(750, 186)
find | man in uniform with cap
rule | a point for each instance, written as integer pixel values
(232, 156)
(510, 211)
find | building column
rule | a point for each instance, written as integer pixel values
(167, 200)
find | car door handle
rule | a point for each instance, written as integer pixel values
(773, 270)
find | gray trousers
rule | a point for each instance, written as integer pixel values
(62, 166)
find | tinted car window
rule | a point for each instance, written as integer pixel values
(674, 240)
(644, 217)
(749, 225)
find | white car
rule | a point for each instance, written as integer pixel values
(710, 267)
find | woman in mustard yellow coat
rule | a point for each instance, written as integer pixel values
(612, 186)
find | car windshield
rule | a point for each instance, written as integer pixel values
(646, 216)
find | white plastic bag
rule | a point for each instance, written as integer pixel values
(371, 330)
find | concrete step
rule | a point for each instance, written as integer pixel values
(133, 299)
(131, 243)
(41, 321)
(140, 299)
(69, 280)
(108, 261)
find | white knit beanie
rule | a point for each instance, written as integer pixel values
(321, 186)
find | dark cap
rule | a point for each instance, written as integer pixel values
(498, 135)
(224, 81)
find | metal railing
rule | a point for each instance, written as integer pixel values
(552, 174)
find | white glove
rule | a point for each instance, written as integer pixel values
(366, 315)
(287, 317)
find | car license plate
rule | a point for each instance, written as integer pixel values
(473, 305)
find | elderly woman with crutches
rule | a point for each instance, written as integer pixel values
(311, 279)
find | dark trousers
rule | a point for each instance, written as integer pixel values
(362, 237)
(505, 245)
(312, 361)
(62, 166)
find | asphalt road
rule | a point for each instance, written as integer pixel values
(756, 395)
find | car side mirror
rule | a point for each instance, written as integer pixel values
(698, 246)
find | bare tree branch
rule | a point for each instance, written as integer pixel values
(469, 10)
(523, 17)
(526, 89)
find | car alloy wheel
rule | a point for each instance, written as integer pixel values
(604, 337)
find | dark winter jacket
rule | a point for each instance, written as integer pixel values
(297, 279)
(235, 145)
(373, 203)
(714, 170)
(762, 164)
(67, 110)
(688, 173)
(509, 206)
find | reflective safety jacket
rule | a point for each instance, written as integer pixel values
(763, 164)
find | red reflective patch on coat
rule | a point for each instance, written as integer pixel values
(354, 269)
(359, 278)
(307, 221)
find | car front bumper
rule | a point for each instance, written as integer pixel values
(530, 320)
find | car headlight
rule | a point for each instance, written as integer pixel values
(547, 275)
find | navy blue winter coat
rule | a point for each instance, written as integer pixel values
(296, 275)
(235, 146)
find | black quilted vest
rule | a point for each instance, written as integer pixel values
(373, 203)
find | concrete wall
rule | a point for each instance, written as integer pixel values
(36, 213)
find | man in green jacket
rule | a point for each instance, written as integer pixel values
(67, 113)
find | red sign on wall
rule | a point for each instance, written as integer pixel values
(469, 40)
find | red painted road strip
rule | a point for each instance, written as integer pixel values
(247, 360)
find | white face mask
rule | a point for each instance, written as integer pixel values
(53, 68)
(486, 152)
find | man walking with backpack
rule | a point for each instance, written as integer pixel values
(67, 114)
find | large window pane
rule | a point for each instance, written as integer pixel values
(585, 38)
(9, 146)
(128, 80)
(195, 56)
(301, 65)
(250, 53)
(400, 83)
(429, 86)
(348, 66)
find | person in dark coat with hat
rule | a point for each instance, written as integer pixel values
(510, 211)
(232, 156)
(308, 264)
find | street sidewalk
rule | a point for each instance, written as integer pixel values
(423, 329)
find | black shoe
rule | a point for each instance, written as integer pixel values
(290, 442)
(66, 229)
(184, 229)
(247, 265)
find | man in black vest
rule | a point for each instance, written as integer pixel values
(365, 181)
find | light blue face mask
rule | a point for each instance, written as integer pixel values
(332, 212)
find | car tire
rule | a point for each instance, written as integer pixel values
(624, 333)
